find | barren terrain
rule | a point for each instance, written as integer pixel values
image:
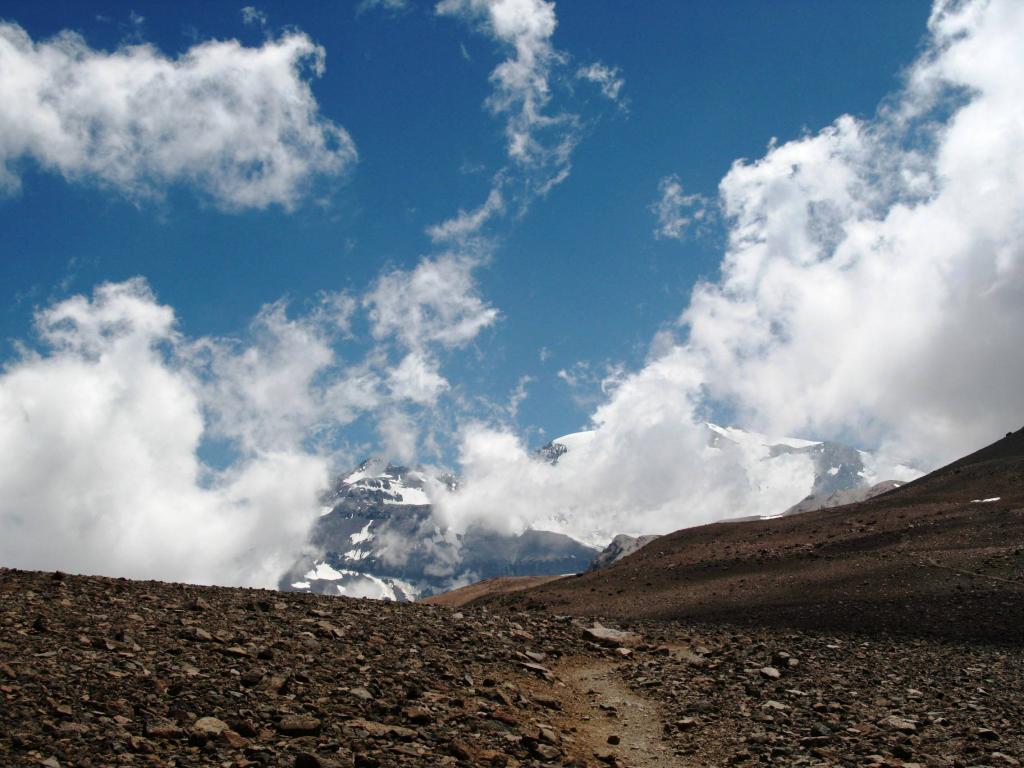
(102, 672)
(887, 633)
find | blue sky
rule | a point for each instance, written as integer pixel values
(245, 247)
(579, 274)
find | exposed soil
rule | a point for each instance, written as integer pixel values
(766, 696)
(101, 672)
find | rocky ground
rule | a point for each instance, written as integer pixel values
(769, 697)
(102, 672)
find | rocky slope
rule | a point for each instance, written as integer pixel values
(111, 672)
(457, 598)
(762, 696)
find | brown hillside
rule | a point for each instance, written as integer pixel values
(456, 598)
(925, 559)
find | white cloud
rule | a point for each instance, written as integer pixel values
(539, 136)
(677, 213)
(266, 392)
(875, 268)
(417, 379)
(399, 435)
(468, 223)
(104, 430)
(254, 16)
(591, 384)
(521, 85)
(388, 6)
(872, 290)
(608, 79)
(518, 395)
(239, 124)
(101, 473)
(436, 302)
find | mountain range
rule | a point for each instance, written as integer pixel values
(378, 537)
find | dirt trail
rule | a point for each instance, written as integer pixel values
(603, 706)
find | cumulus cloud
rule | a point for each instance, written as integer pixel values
(436, 302)
(882, 260)
(101, 473)
(269, 391)
(872, 290)
(238, 124)
(677, 213)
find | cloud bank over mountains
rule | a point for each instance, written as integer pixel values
(238, 124)
(136, 450)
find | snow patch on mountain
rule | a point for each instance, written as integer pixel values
(754, 440)
(363, 535)
(321, 571)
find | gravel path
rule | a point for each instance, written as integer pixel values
(614, 722)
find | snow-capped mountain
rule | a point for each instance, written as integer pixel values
(554, 450)
(376, 537)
